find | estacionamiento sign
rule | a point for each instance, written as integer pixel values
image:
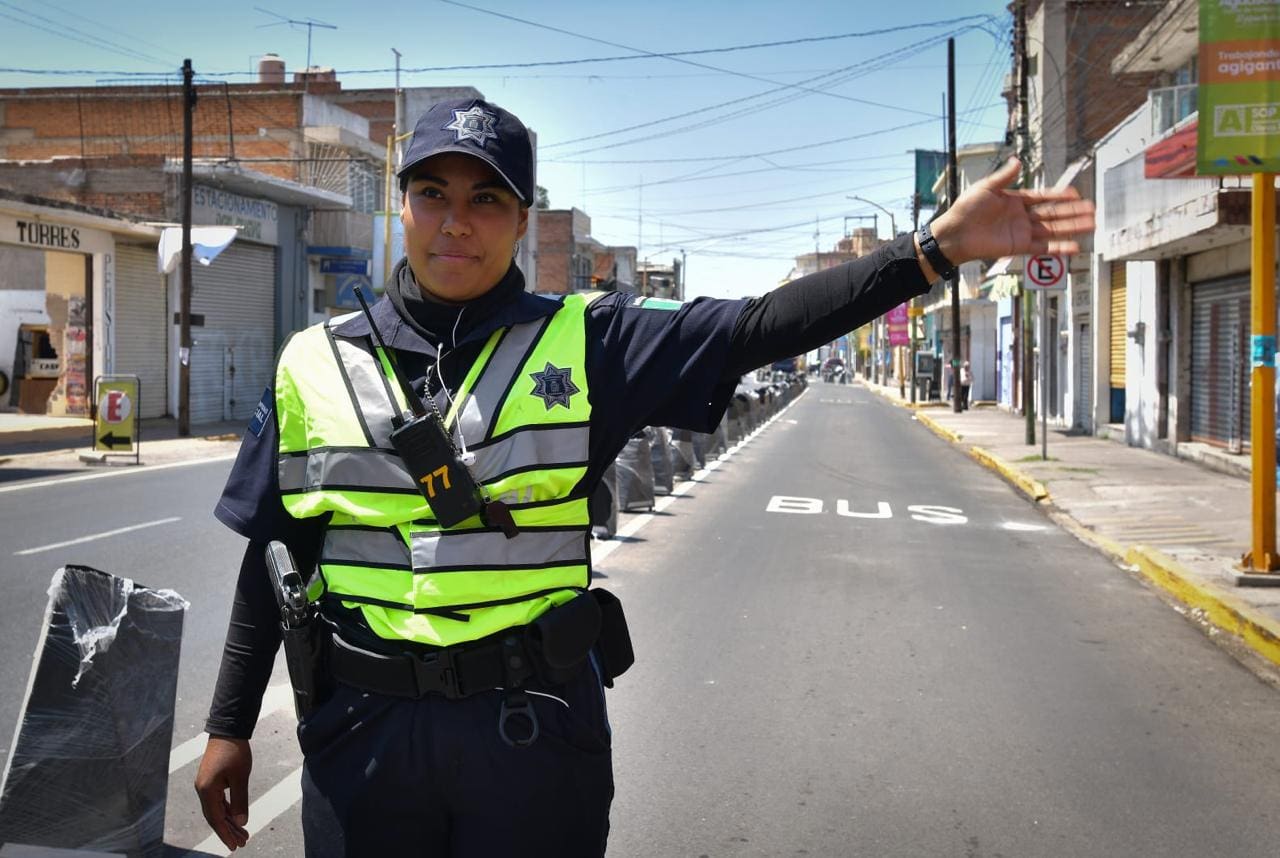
(1239, 91)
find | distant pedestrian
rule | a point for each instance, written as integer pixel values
(966, 381)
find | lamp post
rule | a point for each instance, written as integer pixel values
(882, 327)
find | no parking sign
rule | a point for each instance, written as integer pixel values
(1046, 272)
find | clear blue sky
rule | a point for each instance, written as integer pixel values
(737, 181)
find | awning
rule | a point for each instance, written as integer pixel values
(1073, 169)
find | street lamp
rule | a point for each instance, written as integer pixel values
(893, 229)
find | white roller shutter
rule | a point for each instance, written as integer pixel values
(142, 326)
(233, 352)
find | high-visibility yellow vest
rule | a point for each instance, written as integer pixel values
(524, 412)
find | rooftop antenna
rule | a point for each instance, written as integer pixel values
(309, 23)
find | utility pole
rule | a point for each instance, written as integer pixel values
(1024, 153)
(915, 302)
(399, 119)
(953, 191)
(184, 312)
(684, 271)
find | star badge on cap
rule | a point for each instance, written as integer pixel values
(554, 385)
(472, 124)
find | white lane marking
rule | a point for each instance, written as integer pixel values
(120, 473)
(599, 553)
(1019, 526)
(93, 536)
(277, 697)
(262, 812)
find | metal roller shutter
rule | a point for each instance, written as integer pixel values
(233, 353)
(1219, 362)
(1084, 382)
(1119, 290)
(142, 326)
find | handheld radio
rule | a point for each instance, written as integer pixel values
(428, 450)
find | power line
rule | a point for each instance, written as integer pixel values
(782, 151)
(676, 59)
(80, 35)
(846, 70)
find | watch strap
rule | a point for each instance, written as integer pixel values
(932, 252)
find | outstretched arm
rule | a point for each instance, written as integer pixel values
(987, 221)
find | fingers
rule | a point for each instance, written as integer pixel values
(219, 815)
(1005, 176)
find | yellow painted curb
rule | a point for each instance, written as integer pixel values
(938, 429)
(1034, 489)
(1089, 537)
(1259, 631)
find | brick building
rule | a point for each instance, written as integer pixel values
(570, 260)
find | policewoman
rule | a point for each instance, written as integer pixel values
(429, 466)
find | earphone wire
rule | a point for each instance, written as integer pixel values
(457, 423)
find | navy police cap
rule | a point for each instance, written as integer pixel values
(475, 127)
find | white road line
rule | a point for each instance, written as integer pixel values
(277, 697)
(94, 536)
(262, 812)
(599, 553)
(115, 473)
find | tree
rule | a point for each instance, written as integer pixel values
(544, 202)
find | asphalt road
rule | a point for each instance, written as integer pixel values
(852, 641)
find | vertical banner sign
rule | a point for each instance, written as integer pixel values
(929, 166)
(898, 321)
(1239, 91)
(116, 426)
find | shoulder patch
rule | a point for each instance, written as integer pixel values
(262, 412)
(657, 304)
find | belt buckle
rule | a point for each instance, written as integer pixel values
(435, 672)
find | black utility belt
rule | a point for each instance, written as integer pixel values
(554, 648)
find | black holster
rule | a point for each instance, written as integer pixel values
(561, 639)
(306, 655)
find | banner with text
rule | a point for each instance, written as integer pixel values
(1239, 90)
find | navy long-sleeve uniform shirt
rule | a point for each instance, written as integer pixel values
(647, 363)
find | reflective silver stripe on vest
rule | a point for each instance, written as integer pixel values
(508, 357)
(361, 469)
(439, 551)
(531, 447)
(368, 386)
(365, 546)
(376, 470)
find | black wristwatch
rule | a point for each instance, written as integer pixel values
(929, 246)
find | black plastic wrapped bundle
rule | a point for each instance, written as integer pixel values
(660, 453)
(604, 505)
(90, 765)
(635, 474)
(683, 459)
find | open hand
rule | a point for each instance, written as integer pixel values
(988, 220)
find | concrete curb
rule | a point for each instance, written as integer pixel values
(1032, 488)
(938, 429)
(1258, 631)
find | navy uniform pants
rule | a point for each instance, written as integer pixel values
(431, 778)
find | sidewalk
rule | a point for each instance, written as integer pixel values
(1180, 524)
(30, 446)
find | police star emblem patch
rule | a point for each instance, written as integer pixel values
(474, 123)
(554, 385)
